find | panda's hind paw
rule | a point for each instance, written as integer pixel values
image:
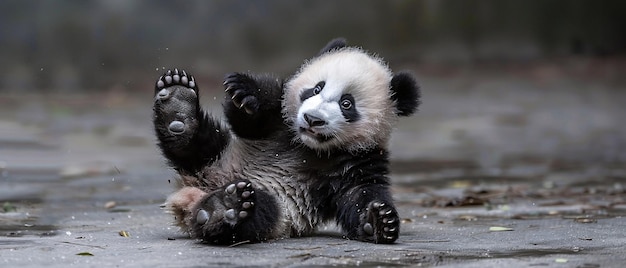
(238, 199)
(241, 89)
(224, 208)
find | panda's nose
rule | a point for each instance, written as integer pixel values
(314, 121)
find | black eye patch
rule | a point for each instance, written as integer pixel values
(348, 108)
(312, 91)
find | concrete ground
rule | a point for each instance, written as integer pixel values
(517, 168)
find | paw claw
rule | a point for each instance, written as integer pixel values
(384, 212)
(243, 214)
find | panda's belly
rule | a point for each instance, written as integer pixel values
(272, 167)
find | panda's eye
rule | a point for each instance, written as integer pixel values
(346, 104)
(318, 88)
(310, 92)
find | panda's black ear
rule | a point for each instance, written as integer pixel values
(336, 43)
(405, 92)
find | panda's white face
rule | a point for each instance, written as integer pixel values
(341, 100)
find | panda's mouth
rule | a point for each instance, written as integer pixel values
(319, 137)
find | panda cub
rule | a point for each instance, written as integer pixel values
(292, 155)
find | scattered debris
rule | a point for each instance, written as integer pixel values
(239, 243)
(110, 205)
(124, 233)
(499, 229)
(8, 207)
(585, 220)
(468, 218)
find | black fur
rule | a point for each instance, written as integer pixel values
(351, 113)
(405, 92)
(345, 188)
(334, 44)
(312, 91)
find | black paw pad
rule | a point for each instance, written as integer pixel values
(238, 200)
(381, 222)
(174, 78)
(241, 89)
(176, 127)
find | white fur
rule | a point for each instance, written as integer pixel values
(345, 71)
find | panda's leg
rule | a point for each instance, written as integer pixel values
(188, 137)
(367, 213)
(181, 203)
(252, 104)
(237, 212)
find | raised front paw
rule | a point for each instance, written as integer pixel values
(224, 209)
(176, 108)
(380, 223)
(242, 89)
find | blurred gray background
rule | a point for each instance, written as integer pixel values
(56, 46)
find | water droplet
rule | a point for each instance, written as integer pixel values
(68, 233)
(276, 155)
(41, 69)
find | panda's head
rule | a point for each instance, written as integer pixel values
(347, 99)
